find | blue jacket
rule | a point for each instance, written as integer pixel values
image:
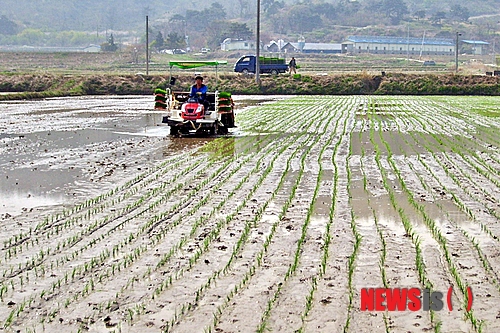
(203, 90)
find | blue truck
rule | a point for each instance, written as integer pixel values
(246, 64)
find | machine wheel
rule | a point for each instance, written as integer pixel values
(222, 130)
(274, 72)
(228, 120)
(245, 71)
(214, 129)
(174, 130)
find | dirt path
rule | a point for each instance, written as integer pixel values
(109, 225)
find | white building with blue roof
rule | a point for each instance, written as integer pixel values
(304, 47)
(475, 46)
(398, 45)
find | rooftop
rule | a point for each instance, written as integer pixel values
(475, 42)
(318, 46)
(400, 40)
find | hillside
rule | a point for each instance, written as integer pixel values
(94, 15)
(189, 25)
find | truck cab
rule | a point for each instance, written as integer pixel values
(246, 64)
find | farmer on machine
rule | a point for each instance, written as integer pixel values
(199, 91)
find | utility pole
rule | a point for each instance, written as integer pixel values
(456, 52)
(147, 46)
(494, 53)
(257, 53)
(408, 46)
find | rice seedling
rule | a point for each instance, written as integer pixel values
(250, 273)
(206, 244)
(437, 235)
(147, 235)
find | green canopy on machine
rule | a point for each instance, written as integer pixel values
(189, 64)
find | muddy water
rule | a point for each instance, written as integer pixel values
(58, 150)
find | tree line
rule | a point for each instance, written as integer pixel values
(195, 27)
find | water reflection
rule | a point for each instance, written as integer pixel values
(51, 149)
(14, 203)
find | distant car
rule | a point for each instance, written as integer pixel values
(205, 50)
(178, 51)
(429, 63)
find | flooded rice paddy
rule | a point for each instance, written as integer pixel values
(109, 224)
(51, 150)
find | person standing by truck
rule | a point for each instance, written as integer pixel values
(292, 66)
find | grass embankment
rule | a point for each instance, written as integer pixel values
(26, 86)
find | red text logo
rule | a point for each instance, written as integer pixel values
(402, 299)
